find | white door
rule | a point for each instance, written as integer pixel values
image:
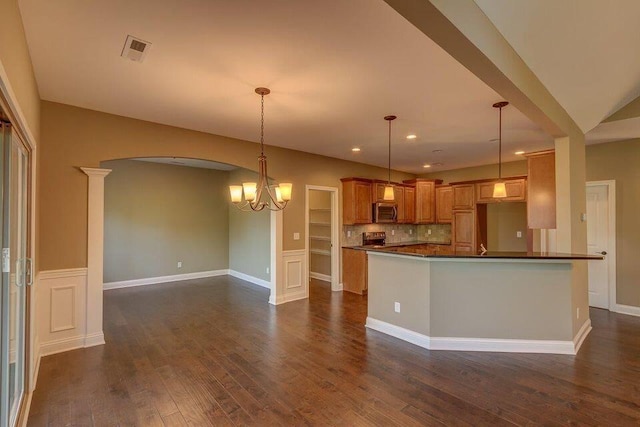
(598, 243)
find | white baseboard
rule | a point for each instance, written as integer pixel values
(252, 279)
(94, 339)
(581, 335)
(481, 344)
(72, 343)
(287, 298)
(338, 288)
(320, 276)
(626, 309)
(163, 279)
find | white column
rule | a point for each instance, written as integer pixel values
(95, 249)
(277, 279)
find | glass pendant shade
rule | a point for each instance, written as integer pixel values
(499, 190)
(388, 193)
(285, 190)
(236, 193)
(249, 190)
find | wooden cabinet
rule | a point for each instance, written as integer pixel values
(444, 204)
(356, 201)
(541, 185)
(516, 191)
(464, 230)
(377, 191)
(425, 199)
(463, 196)
(354, 271)
(405, 198)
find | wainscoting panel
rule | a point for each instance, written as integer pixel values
(294, 269)
(62, 311)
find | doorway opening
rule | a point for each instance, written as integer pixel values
(321, 245)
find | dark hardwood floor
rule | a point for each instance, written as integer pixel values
(214, 352)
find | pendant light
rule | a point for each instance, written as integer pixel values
(499, 188)
(388, 189)
(276, 196)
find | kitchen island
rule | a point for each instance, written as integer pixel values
(499, 301)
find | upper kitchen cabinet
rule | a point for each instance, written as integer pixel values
(377, 191)
(444, 204)
(405, 198)
(541, 185)
(463, 196)
(516, 190)
(425, 199)
(356, 201)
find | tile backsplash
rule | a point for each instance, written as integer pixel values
(398, 233)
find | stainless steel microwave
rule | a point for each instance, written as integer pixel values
(385, 212)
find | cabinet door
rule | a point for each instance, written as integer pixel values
(463, 196)
(516, 191)
(398, 194)
(425, 203)
(354, 271)
(409, 205)
(444, 205)
(541, 207)
(463, 248)
(377, 191)
(463, 228)
(363, 203)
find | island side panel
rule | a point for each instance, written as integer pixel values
(404, 280)
(505, 300)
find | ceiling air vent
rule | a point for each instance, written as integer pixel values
(135, 49)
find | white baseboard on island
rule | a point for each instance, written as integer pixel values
(482, 344)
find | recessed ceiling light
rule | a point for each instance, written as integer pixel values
(437, 164)
(355, 149)
(426, 166)
(494, 140)
(519, 152)
(437, 151)
(411, 136)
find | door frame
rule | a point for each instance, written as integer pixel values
(611, 231)
(335, 238)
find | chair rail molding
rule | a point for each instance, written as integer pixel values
(95, 252)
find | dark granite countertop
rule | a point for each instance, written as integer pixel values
(447, 252)
(397, 245)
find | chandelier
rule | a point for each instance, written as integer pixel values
(261, 194)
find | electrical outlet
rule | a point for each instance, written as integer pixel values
(179, 264)
(349, 233)
(578, 313)
(296, 236)
(267, 270)
(519, 234)
(428, 232)
(393, 232)
(410, 231)
(396, 307)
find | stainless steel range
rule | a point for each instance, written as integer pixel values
(374, 238)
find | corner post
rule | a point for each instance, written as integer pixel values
(95, 249)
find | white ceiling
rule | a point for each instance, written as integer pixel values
(335, 68)
(583, 51)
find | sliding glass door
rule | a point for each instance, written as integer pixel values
(16, 274)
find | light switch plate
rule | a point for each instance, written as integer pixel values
(296, 236)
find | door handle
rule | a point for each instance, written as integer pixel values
(29, 272)
(603, 253)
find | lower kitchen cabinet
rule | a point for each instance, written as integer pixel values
(354, 270)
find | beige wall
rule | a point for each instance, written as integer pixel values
(504, 220)
(74, 137)
(620, 161)
(249, 234)
(157, 214)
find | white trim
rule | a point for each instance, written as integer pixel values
(320, 276)
(164, 279)
(276, 227)
(626, 309)
(611, 250)
(335, 234)
(61, 274)
(251, 279)
(14, 106)
(94, 339)
(482, 344)
(61, 345)
(581, 335)
(340, 287)
(288, 298)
